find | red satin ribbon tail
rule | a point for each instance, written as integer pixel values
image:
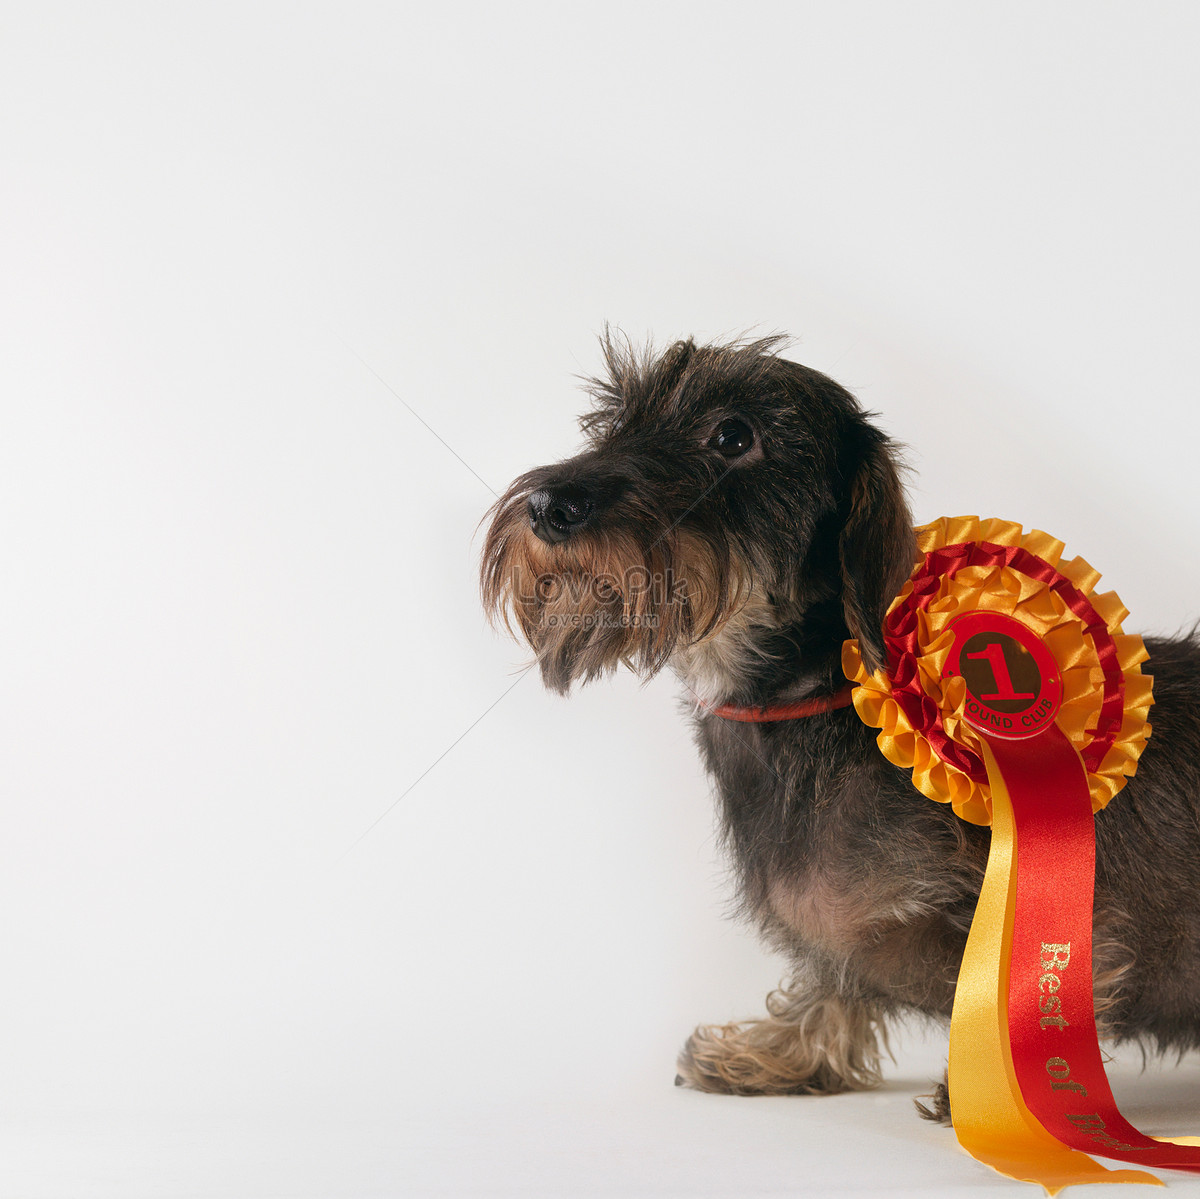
(1051, 1016)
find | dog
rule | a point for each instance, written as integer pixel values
(737, 516)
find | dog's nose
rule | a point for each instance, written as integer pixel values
(557, 512)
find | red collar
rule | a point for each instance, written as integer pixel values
(804, 707)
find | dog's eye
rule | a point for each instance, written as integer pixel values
(733, 438)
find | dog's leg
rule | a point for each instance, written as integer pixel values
(810, 1043)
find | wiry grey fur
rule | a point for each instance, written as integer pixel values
(865, 885)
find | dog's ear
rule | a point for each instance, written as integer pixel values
(669, 369)
(877, 545)
(635, 375)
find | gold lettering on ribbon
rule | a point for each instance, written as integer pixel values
(1060, 1077)
(1092, 1126)
(1054, 956)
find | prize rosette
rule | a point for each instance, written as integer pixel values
(968, 565)
(1012, 693)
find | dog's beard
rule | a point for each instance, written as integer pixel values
(606, 598)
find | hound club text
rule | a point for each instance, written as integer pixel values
(986, 718)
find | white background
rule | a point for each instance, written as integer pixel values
(286, 292)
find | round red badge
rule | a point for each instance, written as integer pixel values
(1014, 689)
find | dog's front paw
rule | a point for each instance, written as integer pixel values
(830, 1050)
(705, 1065)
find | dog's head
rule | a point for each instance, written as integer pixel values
(713, 476)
